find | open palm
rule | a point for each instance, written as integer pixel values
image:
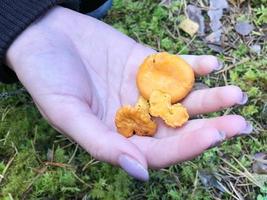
(79, 71)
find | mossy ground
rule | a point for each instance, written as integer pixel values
(36, 162)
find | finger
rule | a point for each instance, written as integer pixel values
(203, 65)
(213, 99)
(171, 150)
(231, 125)
(76, 120)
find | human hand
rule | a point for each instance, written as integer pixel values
(79, 71)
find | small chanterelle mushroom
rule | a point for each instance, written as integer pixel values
(130, 120)
(163, 80)
(142, 105)
(160, 106)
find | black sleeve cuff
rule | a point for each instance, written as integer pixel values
(16, 16)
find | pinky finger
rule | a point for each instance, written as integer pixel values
(168, 151)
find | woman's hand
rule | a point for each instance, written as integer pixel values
(79, 71)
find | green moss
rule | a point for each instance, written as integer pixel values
(59, 183)
(20, 174)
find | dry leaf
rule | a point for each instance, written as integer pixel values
(189, 26)
(244, 28)
(50, 155)
(255, 48)
(215, 14)
(215, 37)
(200, 86)
(210, 180)
(237, 2)
(261, 179)
(260, 163)
(216, 48)
(166, 2)
(194, 13)
(264, 112)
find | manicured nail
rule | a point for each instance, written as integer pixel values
(133, 168)
(244, 99)
(220, 139)
(248, 129)
(219, 66)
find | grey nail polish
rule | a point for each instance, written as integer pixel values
(219, 66)
(220, 139)
(133, 167)
(247, 130)
(244, 99)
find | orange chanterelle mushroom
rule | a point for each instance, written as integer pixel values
(167, 73)
(130, 120)
(160, 106)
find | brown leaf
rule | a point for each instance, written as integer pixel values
(216, 48)
(244, 28)
(166, 2)
(255, 48)
(194, 13)
(200, 86)
(237, 2)
(214, 37)
(215, 14)
(264, 112)
(260, 163)
(50, 155)
(210, 180)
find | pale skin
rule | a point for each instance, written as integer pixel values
(79, 71)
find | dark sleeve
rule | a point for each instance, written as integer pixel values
(16, 16)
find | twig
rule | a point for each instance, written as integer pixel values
(6, 136)
(56, 164)
(237, 193)
(74, 153)
(78, 178)
(34, 150)
(233, 65)
(195, 185)
(245, 174)
(91, 162)
(24, 196)
(187, 44)
(10, 196)
(7, 166)
(4, 113)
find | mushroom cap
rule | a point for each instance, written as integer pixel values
(142, 104)
(130, 120)
(176, 116)
(167, 73)
(159, 103)
(160, 106)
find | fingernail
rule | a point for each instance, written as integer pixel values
(248, 129)
(133, 168)
(244, 99)
(220, 139)
(219, 66)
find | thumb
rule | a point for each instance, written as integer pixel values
(102, 143)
